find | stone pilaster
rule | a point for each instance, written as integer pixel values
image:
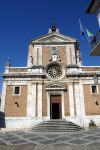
(48, 105)
(82, 99)
(68, 55)
(62, 99)
(79, 98)
(40, 54)
(73, 54)
(31, 100)
(3, 96)
(30, 56)
(71, 99)
(39, 105)
(35, 55)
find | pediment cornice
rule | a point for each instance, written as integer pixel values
(54, 38)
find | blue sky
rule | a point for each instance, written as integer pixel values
(23, 20)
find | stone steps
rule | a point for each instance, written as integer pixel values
(57, 126)
(55, 131)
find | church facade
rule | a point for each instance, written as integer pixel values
(53, 85)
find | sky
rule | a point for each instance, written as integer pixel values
(23, 20)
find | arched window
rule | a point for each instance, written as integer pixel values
(54, 51)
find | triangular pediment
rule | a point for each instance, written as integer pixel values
(54, 37)
(55, 85)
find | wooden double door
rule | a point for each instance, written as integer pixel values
(55, 107)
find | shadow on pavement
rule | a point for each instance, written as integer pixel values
(2, 120)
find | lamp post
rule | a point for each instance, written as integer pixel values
(95, 79)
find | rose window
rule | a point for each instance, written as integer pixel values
(54, 71)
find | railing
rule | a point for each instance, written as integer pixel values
(95, 40)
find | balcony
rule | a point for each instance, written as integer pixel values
(95, 44)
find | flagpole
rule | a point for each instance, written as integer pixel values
(83, 30)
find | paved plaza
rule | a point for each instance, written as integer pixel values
(30, 140)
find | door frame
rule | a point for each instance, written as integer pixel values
(48, 102)
(56, 101)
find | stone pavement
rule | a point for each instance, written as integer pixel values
(29, 140)
(47, 147)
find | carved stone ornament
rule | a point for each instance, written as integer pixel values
(55, 71)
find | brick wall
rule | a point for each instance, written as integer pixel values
(61, 52)
(91, 69)
(44, 101)
(11, 109)
(90, 107)
(66, 104)
(18, 70)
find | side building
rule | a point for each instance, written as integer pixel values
(53, 85)
(94, 8)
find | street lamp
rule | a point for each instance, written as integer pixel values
(95, 79)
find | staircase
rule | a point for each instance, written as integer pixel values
(57, 126)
